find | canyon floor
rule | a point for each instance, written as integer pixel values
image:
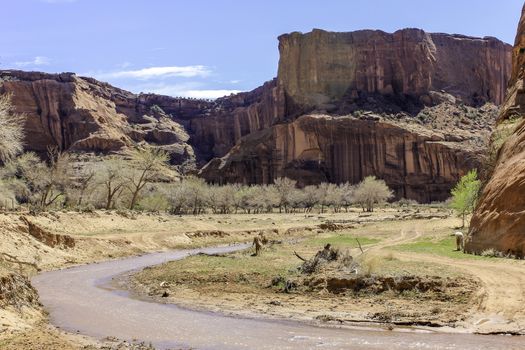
(473, 293)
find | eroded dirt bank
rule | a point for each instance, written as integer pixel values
(408, 274)
(91, 304)
(49, 241)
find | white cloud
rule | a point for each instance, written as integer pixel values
(213, 94)
(184, 90)
(37, 61)
(158, 72)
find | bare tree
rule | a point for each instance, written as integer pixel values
(108, 173)
(370, 192)
(145, 165)
(47, 182)
(82, 181)
(285, 188)
(310, 198)
(11, 130)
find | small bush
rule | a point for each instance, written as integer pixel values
(491, 253)
(371, 265)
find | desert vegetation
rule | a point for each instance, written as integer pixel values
(465, 195)
(142, 179)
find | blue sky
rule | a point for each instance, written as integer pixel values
(208, 48)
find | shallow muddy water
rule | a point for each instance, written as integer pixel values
(82, 299)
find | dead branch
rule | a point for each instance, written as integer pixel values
(297, 255)
(14, 260)
(360, 248)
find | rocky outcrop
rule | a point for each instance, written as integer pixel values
(344, 106)
(322, 148)
(84, 115)
(319, 68)
(234, 117)
(499, 220)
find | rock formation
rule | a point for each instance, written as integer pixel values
(423, 133)
(401, 106)
(499, 220)
(320, 67)
(415, 162)
(84, 115)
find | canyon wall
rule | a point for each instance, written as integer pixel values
(84, 115)
(499, 220)
(321, 67)
(322, 148)
(308, 122)
(393, 76)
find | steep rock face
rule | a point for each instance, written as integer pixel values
(316, 148)
(499, 220)
(84, 115)
(236, 116)
(320, 67)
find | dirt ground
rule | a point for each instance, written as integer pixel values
(48, 241)
(398, 237)
(473, 293)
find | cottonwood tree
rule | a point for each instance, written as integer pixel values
(225, 197)
(285, 188)
(347, 195)
(49, 181)
(465, 195)
(145, 164)
(370, 192)
(109, 174)
(310, 197)
(82, 181)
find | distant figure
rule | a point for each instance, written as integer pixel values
(459, 240)
(258, 245)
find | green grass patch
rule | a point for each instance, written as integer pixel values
(437, 246)
(341, 241)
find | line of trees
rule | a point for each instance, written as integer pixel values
(137, 179)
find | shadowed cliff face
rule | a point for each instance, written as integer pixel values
(316, 148)
(321, 67)
(499, 220)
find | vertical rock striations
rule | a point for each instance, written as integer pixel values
(319, 68)
(402, 106)
(499, 220)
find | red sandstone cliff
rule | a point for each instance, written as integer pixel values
(394, 75)
(416, 162)
(85, 115)
(421, 140)
(499, 220)
(321, 67)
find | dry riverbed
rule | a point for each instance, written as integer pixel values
(400, 246)
(355, 287)
(55, 240)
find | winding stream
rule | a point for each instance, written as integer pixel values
(79, 300)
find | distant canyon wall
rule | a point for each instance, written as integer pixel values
(321, 67)
(301, 123)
